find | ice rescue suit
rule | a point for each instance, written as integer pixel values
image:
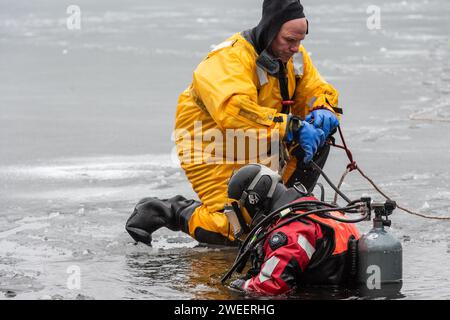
(229, 91)
(313, 250)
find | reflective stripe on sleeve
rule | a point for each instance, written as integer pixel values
(269, 266)
(246, 284)
(304, 243)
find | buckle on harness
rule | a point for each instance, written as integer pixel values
(287, 102)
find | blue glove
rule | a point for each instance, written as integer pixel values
(323, 119)
(310, 139)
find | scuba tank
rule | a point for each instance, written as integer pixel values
(380, 254)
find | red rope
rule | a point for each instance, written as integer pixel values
(352, 165)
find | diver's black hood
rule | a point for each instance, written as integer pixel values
(275, 13)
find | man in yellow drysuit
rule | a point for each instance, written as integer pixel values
(259, 81)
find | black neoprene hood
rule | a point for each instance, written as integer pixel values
(274, 14)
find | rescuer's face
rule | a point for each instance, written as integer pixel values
(287, 41)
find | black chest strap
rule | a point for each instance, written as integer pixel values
(287, 101)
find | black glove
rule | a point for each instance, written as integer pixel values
(238, 284)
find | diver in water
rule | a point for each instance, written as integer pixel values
(258, 79)
(311, 250)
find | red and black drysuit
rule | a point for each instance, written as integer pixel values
(311, 250)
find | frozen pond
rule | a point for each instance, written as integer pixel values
(86, 118)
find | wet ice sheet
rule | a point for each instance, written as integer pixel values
(45, 233)
(85, 132)
(72, 214)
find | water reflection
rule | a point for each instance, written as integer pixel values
(183, 273)
(195, 273)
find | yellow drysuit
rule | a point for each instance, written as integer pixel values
(229, 91)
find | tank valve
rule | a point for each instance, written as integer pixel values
(382, 209)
